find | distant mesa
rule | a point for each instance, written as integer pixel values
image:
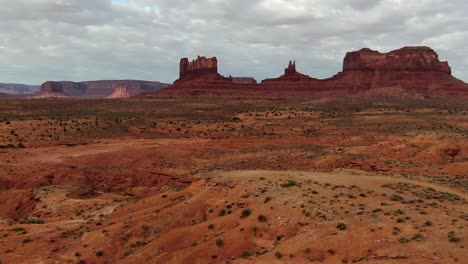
(100, 89)
(412, 69)
(18, 89)
(243, 80)
(415, 69)
(120, 91)
(51, 89)
(411, 59)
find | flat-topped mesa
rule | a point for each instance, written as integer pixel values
(51, 87)
(243, 80)
(200, 66)
(409, 59)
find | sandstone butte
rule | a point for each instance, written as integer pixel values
(411, 69)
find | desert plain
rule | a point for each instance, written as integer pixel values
(242, 179)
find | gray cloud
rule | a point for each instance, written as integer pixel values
(144, 39)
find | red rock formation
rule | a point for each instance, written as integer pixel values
(51, 89)
(291, 69)
(243, 80)
(290, 80)
(120, 91)
(199, 67)
(415, 69)
(412, 69)
(200, 75)
(411, 59)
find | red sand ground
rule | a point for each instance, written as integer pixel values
(207, 180)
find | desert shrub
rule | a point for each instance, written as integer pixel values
(278, 255)
(17, 229)
(222, 212)
(28, 221)
(247, 254)
(262, 218)
(246, 213)
(417, 237)
(403, 240)
(219, 242)
(341, 226)
(453, 238)
(396, 197)
(290, 183)
(428, 223)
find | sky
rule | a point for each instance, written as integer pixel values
(81, 40)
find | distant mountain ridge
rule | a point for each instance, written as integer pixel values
(99, 89)
(16, 88)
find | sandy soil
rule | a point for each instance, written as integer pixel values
(248, 181)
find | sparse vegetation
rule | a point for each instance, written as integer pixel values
(341, 226)
(246, 213)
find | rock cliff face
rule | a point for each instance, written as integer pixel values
(199, 67)
(51, 89)
(415, 69)
(409, 69)
(120, 91)
(291, 69)
(200, 75)
(411, 59)
(102, 89)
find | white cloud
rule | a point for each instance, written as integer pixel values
(144, 39)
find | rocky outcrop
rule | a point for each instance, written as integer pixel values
(291, 69)
(410, 59)
(201, 74)
(291, 79)
(243, 80)
(196, 68)
(409, 70)
(414, 69)
(120, 91)
(51, 89)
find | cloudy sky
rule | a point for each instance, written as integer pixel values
(144, 39)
